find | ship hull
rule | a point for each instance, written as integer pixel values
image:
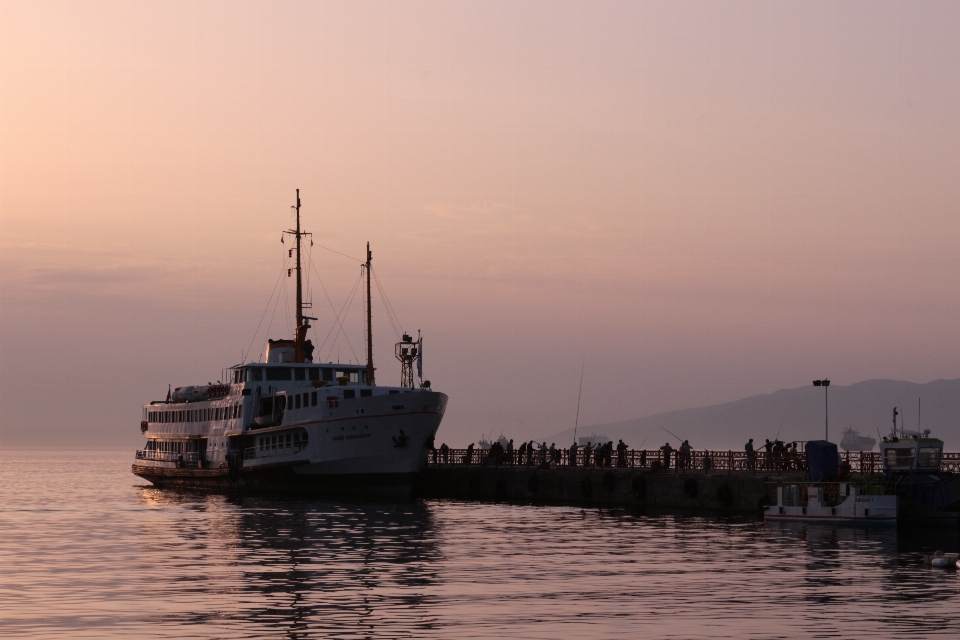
(365, 447)
(284, 479)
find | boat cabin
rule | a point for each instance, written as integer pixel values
(917, 453)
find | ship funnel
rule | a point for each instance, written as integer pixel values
(279, 351)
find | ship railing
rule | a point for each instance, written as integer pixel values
(783, 462)
(187, 460)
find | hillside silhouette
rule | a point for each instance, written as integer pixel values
(866, 406)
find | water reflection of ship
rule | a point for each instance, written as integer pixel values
(853, 441)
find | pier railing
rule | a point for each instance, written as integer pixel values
(861, 462)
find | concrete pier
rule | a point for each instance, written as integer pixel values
(743, 492)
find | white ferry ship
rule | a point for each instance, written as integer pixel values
(289, 423)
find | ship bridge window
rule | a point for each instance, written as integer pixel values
(278, 373)
(929, 457)
(900, 457)
(255, 374)
(328, 375)
(298, 373)
(313, 373)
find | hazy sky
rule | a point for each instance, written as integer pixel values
(703, 200)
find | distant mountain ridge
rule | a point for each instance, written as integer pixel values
(866, 406)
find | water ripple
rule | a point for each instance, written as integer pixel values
(87, 550)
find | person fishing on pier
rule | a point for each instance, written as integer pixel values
(468, 459)
(667, 450)
(521, 452)
(751, 455)
(573, 454)
(587, 450)
(683, 456)
(621, 454)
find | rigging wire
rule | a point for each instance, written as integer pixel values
(339, 254)
(387, 305)
(348, 304)
(337, 316)
(276, 304)
(393, 324)
(265, 309)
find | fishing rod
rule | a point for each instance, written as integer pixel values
(670, 432)
(777, 437)
(579, 393)
(645, 440)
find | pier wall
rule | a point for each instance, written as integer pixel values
(703, 491)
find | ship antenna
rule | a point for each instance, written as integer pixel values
(576, 422)
(370, 379)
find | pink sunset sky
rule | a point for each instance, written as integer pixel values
(702, 200)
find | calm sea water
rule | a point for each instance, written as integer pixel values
(87, 550)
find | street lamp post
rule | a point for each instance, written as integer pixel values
(826, 407)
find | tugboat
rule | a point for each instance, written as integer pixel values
(288, 423)
(912, 469)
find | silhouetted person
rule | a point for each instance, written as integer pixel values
(468, 459)
(768, 447)
(684, 457)
(445, 453)
(530, 453)
(510, 450)
(621, 454)
(751, 455)
(587, 450)
(573, 455)
(667, 450)
(521, 452)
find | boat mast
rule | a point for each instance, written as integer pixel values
(369, 322)
(302, 326)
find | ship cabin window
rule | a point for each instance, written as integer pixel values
(313, 373)
(364, 393)
(313, 398)
(392, 391)
(278, 373)
(363, 376)
(349, 393)
(929, 457)
(297, 402)
(327, 375)
(298, 373)
(254, 374)
(901, 458)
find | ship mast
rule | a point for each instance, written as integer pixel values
(370, 379)
(302, 324)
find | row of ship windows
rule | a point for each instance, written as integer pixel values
(269, 443)
(259, 374)
(195, 415)
(300, 401)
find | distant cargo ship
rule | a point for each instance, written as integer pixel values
(853, 441)
(288, 422)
